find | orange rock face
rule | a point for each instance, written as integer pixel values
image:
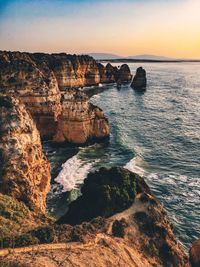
(24, 170)
(37, 89)
(39, 79)
(80, 121)
(195, 254)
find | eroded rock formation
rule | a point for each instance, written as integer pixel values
(80, 120)
(24, 170)
(124, 74)
(139, 81)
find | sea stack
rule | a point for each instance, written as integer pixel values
(139, 81)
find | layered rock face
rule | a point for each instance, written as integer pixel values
(36, 87)
(24, 170)
(73, 71)
(139, 81)
(80, 121)
(38, 80)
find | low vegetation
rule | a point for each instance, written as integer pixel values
(104, 193)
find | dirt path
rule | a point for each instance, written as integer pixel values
(54, 246)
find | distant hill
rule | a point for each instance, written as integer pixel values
(107, 56)
(100, 56)
(150, 57)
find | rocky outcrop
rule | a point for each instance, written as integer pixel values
(24, 170)
(71, 71)
(104, 193)
(80, 120)
(124, 74)
(195, 254)
(108, 73)
(139, 81)
(112, 74)
(138, 234)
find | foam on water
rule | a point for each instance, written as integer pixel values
(134, 166)
(73, 173)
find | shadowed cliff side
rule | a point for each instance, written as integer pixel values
(24, 170)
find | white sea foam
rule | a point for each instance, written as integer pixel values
(73, 173)
(134, 165)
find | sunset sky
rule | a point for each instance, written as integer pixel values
(160, 27)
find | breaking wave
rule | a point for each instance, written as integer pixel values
(135, 165)
(73, 173)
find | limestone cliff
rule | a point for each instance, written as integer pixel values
(80, 121)
(24, 170)
(36, 88)
(71, 71)
(38, 80)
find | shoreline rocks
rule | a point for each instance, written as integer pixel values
(139, 81)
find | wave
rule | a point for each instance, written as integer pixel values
(73, 173)
(134, 165)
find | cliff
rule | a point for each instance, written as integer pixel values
(24, 170)
(80, 121)
(38, 80)
(38, 90)
(134, 229)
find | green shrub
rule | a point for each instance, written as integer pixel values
(5, 101)
(104, 193)
(12, 215)
(44, 234)
(18, 241)
(118, 227)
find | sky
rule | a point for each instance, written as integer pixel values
(123, 27)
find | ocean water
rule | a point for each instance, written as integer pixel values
(156, 134)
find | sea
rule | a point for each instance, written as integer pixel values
(155, 133)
